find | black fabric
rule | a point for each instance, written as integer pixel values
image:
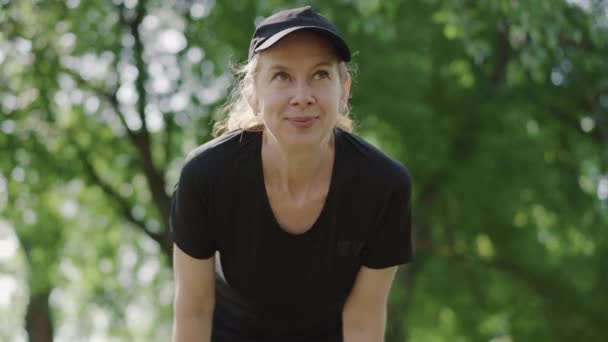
(274, 285)
(273, 28)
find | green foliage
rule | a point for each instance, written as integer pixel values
(498, 108)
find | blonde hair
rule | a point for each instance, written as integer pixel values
(237, 113)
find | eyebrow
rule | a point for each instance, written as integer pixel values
(282, 67)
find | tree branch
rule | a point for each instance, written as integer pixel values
(142, 75)
(169, 129)
(109, 96)
(141, 140)
(122, 204)
(504, 53)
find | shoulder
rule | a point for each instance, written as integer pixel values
(373, 164)
(217, 154)
(220, 147)
(210, 162)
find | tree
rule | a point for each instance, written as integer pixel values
(496, 107)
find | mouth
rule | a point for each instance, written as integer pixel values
(302, 121)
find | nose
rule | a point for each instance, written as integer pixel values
(303, 95)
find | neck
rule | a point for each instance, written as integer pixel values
(296, 169)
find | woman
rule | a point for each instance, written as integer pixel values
(288, 227)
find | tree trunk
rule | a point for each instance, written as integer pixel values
(38, 322)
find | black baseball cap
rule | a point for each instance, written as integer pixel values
(272, 29)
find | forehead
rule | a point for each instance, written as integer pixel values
(299, 48)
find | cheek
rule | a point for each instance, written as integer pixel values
(271, 101)
(330, 98)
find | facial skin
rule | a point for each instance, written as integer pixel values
(299, 91)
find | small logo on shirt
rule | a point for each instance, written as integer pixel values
(350, 248)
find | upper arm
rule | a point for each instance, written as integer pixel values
(194, 240)
(365, 308)
(194, 283)
(191, 221)
(390, 240)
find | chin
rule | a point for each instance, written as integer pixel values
(292, 135)
(295, 139)
(312, 136)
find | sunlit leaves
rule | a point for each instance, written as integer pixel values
(496, 107)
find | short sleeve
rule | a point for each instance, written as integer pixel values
(390, 242)
(190, 224)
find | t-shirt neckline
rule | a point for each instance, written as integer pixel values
(328, 199)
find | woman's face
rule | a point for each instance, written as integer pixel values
(298, 89)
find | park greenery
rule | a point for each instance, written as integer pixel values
(497, 107)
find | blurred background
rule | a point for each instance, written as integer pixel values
(499, 108)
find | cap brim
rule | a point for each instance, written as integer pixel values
(340, 45)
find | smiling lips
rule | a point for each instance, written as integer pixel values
(302, 121)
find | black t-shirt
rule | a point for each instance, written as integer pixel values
(273, 285)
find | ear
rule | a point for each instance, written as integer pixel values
(346, 90)
(253, 103)
(252, 96)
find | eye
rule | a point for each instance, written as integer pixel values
(281, 76)
(321, 74)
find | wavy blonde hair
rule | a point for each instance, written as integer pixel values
(237, 113)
